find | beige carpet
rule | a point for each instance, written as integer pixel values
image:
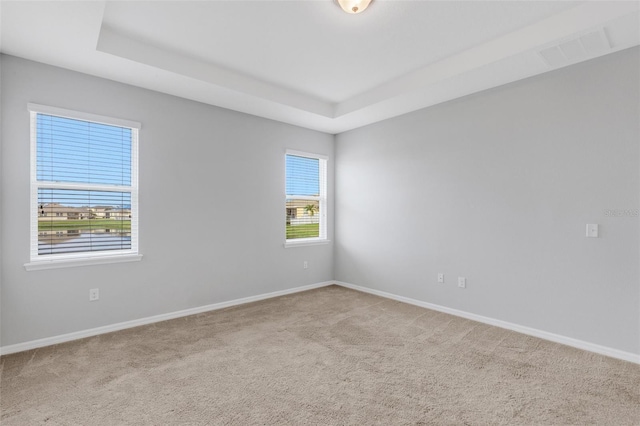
(330, 356)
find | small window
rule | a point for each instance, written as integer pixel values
(306, 197)
(84, 185)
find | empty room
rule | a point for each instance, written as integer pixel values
(319, 212)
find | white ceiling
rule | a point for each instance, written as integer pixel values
(310, 64)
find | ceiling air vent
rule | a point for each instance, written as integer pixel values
(577, 49)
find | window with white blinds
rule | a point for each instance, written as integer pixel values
(84, 185)
(306, 197)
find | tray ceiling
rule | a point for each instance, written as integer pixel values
(308, 63)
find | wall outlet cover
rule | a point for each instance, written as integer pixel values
(592, 230)
(94, 294)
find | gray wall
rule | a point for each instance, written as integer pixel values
(1, 201)
(498, 187)
(211, 208)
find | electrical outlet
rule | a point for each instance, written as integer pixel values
(440, 278)
(94, 294)
(305, 264)
(592, 230)
(462, 282)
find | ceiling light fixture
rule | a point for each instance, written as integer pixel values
(353, 6)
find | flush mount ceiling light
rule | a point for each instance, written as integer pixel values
(353, 6)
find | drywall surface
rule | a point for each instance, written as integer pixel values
(212, 219)
(1, 211)
(498, 188)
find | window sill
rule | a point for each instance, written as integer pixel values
(305, 242)
(86, 261)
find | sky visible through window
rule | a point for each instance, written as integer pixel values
(77, 151)
(83, 152)
(302, 176)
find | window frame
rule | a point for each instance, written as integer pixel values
(322, 238)
(62, 260)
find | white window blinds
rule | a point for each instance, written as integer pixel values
(84, 192)
(306, 196)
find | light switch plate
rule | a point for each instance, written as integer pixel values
(462, 282)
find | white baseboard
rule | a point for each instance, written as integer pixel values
(33, 344)
(580, 344)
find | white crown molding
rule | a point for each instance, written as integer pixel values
(565, 24)
(509, 57)
(112, 42)
(79, 37)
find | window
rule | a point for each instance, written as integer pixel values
(306, 198)
(84, 188)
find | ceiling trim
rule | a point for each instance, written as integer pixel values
(572, 21)
(575, 20)
(114, 43)
(80, 37)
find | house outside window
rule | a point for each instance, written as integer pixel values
(84, 187)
